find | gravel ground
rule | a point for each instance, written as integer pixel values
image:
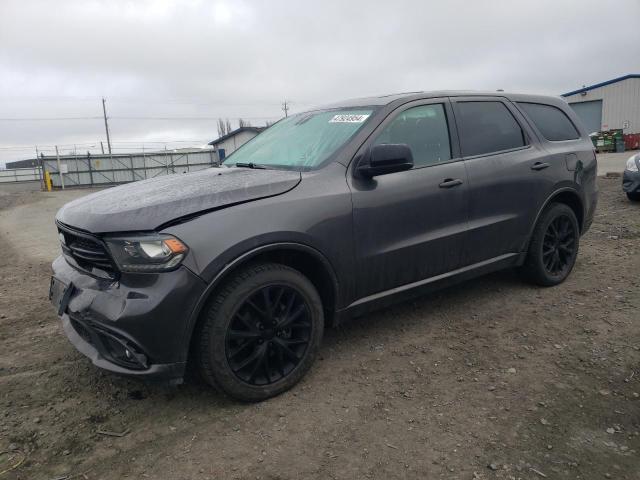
(492, 379)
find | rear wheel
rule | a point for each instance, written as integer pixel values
(261, 333)
(554, 246)
(633, 196)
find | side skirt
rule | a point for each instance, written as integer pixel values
(428, 285)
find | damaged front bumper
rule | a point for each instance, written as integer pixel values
(134, 325)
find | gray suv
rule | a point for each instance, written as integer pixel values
(327, 214)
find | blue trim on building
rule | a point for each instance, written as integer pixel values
(598, 85)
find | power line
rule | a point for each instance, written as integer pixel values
(38, 119)
(166, 101)
(192, 118)
(81, 144)
(46, 119)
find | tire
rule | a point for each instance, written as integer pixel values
(254, 345)
(552, 250)
(633, 196)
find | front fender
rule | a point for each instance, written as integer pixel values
(244, 258)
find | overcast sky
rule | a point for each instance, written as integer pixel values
(161, 63)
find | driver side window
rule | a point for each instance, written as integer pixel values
(424, 129)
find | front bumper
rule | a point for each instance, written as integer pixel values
(135, 325)
(631, 182)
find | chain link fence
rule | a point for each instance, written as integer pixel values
(102, 170)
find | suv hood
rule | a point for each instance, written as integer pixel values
(148, 204)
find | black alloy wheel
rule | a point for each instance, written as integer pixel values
(553, 247)
(268, 335)
(260, 333)
(559, 244)
(633, 196)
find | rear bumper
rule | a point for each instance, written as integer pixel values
(135, 326)
(631, 182)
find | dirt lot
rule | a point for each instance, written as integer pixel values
(490, 379)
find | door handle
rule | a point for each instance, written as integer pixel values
(450, 182)
(539, 166)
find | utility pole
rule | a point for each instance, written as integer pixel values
(102, 147)
(285, 108)
(106, 125)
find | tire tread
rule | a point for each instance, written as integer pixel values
(205, 331)
(531, 270)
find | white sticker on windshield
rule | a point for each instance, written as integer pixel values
(348, 118)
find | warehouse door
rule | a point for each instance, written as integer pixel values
(590, 113)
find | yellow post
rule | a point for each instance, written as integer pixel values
(47, 180)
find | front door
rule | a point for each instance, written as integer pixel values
(411, 225)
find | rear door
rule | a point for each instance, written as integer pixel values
(509, 175)
(411, 225)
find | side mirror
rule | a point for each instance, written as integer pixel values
(387, 158)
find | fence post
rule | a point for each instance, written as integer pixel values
(41, 173)
(47, 180)
(60, 174)
(90, 169)
(144, 166)
(39, 169)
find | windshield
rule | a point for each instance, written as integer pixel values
(303, 141)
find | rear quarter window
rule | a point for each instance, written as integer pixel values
(488, 127)
(551, 122)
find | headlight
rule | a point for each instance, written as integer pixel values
(147, 253)
(632, 163)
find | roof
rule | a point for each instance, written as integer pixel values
(407, 97)
(602, 84)
(236, 132)
(22, 163)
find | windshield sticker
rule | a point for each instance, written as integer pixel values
(348, 118)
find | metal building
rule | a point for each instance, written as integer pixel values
(609, 105)
(230, 142)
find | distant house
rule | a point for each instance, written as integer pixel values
(22, 164)
(230, 142)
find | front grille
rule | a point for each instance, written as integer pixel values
(87, 251)
(84, 333)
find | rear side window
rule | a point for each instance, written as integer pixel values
(424, 129)
(553, 123)
(487, 127)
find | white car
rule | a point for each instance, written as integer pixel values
(631, 178)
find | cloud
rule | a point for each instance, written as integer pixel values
(242, 59)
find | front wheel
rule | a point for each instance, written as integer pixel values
(261, 332)
(633, 196)
(554, 246)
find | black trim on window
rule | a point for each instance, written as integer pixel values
(536, 124)
(525, 136)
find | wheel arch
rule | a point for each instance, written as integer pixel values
(307, 260)
(570, 197)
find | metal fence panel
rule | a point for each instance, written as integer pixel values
(124, 168)
(19, 175)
